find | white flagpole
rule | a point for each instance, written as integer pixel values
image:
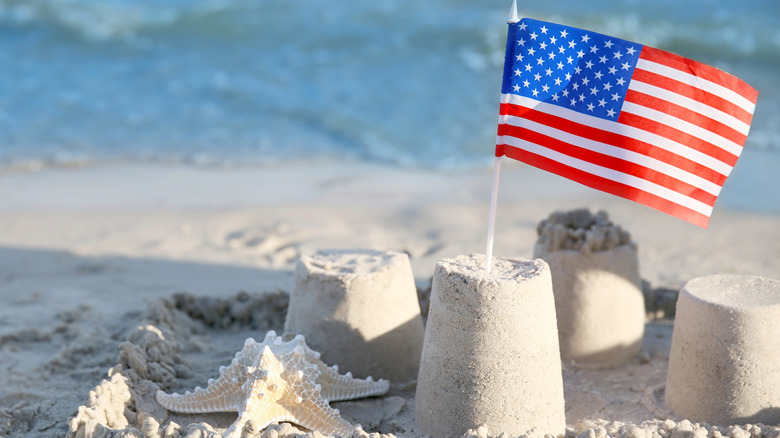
(512, 18)
(492, 216)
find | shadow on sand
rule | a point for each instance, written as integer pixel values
(63, 316)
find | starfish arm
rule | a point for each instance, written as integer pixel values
(259, 409)
(312, 414)
(235, 429)
(287, 392)
(221, 395)
(263, 411)
(196, 403)
(303, 398)
(263, 391)
(315, 414)
(337, 387)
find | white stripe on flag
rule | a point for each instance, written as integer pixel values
(698, 82)
(686, 127)
(612, 175)
(618, 152)
(628, 131)
(693, 105)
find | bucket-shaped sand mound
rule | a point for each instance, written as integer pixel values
(359, 308)
(724, 364)
(598, 294)
(491, 350)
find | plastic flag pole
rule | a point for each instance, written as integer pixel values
(492, 216)
(512, 18)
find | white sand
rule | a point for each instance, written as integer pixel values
(82, 251)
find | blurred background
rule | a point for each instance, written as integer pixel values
(258, 82)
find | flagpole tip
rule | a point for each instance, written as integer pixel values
(512, 17)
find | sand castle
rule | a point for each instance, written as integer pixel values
(360, 309)
(723, 364)
(598, 295)
(491, 350)
(490, 365)
(489, 360)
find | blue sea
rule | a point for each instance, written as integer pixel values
(256, 82)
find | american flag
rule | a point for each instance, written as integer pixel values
(627, 119)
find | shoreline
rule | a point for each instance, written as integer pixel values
(749, 188)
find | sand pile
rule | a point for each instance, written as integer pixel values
(150, 358)
(580, 230)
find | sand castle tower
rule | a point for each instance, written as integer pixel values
(724, 365)
(491, 350)
(598, 290)
(359, 308)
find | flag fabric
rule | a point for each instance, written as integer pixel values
(617, 116)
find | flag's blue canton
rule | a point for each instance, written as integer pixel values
(573, 68)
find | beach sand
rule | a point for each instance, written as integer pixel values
(91, 260)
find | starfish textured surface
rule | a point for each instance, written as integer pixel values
(276, 381)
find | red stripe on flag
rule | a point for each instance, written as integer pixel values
(610, 162)
(681, 137)
(687, 115)
(609, 186)
(694, 93)
(701, 70)
(614, 139)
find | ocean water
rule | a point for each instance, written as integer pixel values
(246, 82)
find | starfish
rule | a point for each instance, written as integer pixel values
(275, 381)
